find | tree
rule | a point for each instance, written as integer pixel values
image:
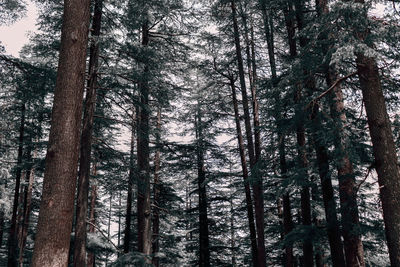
(56, 213)
(86, 141)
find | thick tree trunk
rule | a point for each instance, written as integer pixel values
(132, 170)
(12, 237)
(143, 197)
(156, 193)
(249, 202)
(384, 152)
(204, 260)
(257, 184)
(383, 145)
(57, 205)
(86, 142)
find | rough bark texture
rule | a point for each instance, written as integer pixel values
(143, 197)
(57, 205)
(257, 183)
(384, 152)
(86, 142)
(242, 152)
(204, 260)
(156, 193)
(12, 236)
(383, 145)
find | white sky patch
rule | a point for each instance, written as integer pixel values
(13, 37)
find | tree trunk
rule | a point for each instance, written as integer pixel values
(257, 184)
(109, 223)
(384, 152)
(26, 209)
(92, 217)
(143, 197)
(308, 257)
(332, 224)
(249, 202)
(286, 214)
(86, 142)
(204, 260)
(12, 237)
(57, 205)
(353, 246)
(383, 145)
(156, 193)
(131, 178)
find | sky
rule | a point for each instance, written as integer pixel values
(13, 37)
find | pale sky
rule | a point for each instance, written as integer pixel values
(13, 37)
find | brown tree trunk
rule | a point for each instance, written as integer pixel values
(92, 215)
(128, 215)
(204, 260)
(384, 151)
(242, 152)
(86, 142)
(257, 184)
(353, 247)
(143, 197)
(383, 145)
(57, 205)
(347, 181)
(156, 193)
(12, 237)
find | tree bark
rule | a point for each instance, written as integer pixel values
(57, 205)
(383, 145)
(245, 174)
(143, 197)
(156, 193)
(12, 237)
(86, 142)
(204, 260)
(384, 151)
(255, 174)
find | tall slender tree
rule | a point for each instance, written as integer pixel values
(86, 141)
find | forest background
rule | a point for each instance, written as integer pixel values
(201, 133)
